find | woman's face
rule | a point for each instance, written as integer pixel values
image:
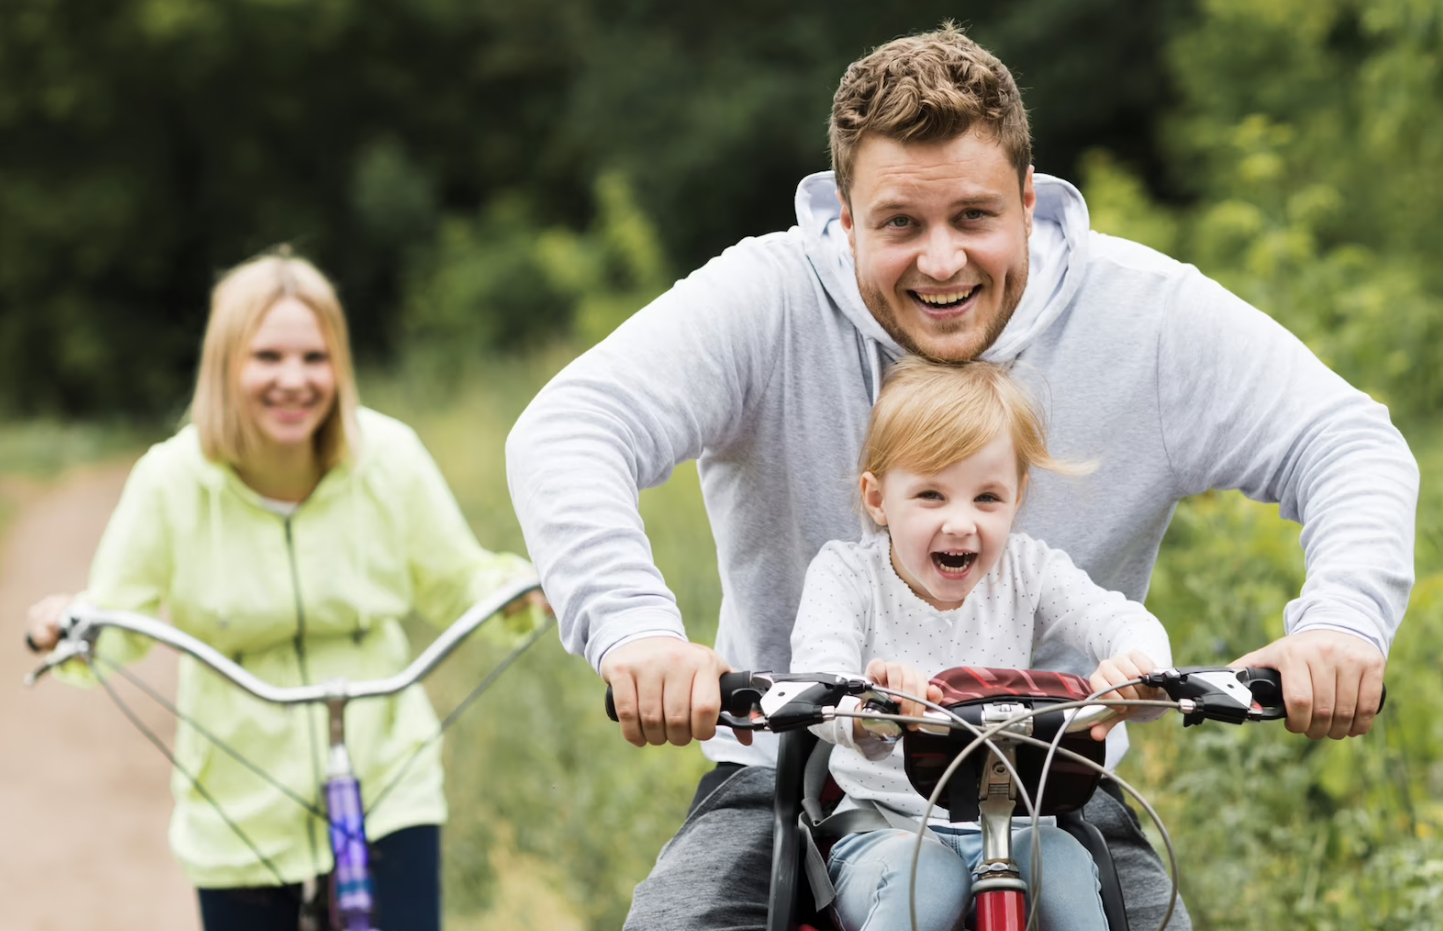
(287, 382)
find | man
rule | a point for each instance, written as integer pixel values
(934, 237)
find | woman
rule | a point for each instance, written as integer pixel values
(292, 530)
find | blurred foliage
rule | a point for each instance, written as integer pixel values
(440, 158)
(1307, 134)
(501, 278)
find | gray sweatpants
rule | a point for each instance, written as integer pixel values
(715, 873)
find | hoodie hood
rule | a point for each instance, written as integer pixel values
(1058, 248)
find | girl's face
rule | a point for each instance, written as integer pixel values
(949, 529)
(287, 382)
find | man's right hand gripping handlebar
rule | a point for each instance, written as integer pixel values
(665, 690)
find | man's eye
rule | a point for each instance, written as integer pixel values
(974, 214)
(898, 223)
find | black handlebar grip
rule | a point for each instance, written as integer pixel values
(1267, 687)
(730, 683)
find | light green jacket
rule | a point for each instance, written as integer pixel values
(303, 599)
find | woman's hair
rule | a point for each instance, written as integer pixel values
(930, 415)
(238, 305)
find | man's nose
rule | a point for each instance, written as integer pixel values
(943, 254)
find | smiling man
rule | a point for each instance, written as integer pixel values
(933, 236)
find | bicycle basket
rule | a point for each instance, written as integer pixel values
(965, 691)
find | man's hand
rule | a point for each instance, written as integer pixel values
(1332, 681)
(666, 690)
(900, 677)
(1125, 667)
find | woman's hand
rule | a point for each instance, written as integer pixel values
(900, 677)
(1119, 669)
(532, 599)
(42, 627)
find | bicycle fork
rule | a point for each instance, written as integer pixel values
(998, 888)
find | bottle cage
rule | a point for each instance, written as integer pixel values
(981, 696)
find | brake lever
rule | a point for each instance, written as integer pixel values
(63, 653)
(1222, 693)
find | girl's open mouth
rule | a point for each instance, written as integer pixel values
(953, 564)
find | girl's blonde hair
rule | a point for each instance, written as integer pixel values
(238, 305)
(930, 415)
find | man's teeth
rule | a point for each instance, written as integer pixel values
(951, 297)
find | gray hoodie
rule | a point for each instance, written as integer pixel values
(763, 366)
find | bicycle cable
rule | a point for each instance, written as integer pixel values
(983, 736)
(450, 719)
(193, 780)
(301, 802)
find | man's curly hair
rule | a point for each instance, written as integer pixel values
(927, 88)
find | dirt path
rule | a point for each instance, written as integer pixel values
(84, 799)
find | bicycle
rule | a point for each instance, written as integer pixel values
(1050, 722)
(351, 896)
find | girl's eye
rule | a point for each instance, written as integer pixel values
(930, 495)
(266, 355)
(316, 358)
(988, 497)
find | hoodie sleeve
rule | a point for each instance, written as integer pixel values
(132, 566)
(450, 570)
(1075, 610)
(829, 636)
(1246, 405)
(674, 380)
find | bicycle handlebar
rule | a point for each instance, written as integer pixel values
(82, 624)
(791, 700)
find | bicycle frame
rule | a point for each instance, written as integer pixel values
(354, 902)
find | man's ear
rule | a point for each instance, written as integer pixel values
(849, 225)
(872, 498)
(1029, 199)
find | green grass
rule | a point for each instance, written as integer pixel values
(41, 449)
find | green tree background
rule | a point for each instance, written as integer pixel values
(497, 184)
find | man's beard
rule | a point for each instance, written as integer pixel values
(1015, 283)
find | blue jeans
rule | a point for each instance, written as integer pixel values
(406, 869)
(872, 874)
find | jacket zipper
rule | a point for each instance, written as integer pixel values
(300, 643)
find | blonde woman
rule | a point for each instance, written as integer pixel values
(293, 530)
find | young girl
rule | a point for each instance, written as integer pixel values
(293, 530)
(946, 583)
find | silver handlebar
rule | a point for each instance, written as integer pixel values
(83, 623)
(1078, 719)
